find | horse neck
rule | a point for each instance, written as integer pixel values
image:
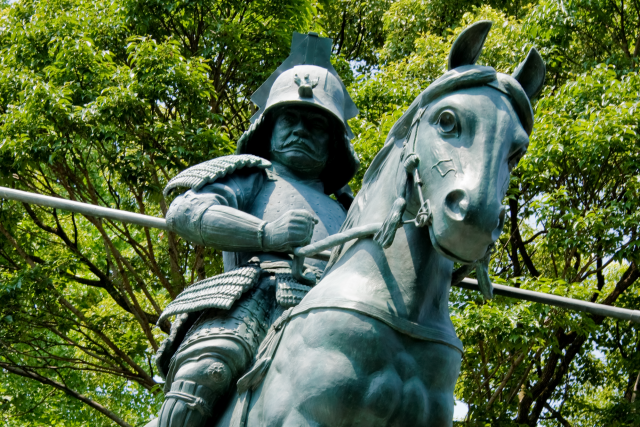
(409, 278)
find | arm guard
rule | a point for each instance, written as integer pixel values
(213, 216)
(231, 230)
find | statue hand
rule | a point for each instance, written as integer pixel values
(293, 229)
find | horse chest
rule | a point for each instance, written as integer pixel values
(407, 381)
(367, 373)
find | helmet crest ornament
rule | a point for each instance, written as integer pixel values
(305, 89)
(306, 49)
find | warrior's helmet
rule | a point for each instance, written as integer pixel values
(307, 78)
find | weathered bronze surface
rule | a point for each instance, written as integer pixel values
(372, 343)
(280, 339)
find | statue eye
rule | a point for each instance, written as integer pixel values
(290, 117)
(448, 122)
(317, 121)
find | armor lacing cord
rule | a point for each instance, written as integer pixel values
(193, 402)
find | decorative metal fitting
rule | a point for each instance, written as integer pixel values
(424, 214)
(305, 89)
(411, 162)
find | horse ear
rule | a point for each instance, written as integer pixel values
(467, 47)
(530, 73)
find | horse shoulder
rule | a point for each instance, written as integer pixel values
(336, 367)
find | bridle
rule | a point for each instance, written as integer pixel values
(424, 217)
(411, 161)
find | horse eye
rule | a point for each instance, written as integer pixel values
(447, 121)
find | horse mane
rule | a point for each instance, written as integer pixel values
(456, 79)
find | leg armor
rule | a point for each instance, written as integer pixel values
(215, 352)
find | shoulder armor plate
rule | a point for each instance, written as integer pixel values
(208, 172)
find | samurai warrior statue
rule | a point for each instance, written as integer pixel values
(256, 206)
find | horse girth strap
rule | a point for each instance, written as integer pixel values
(404, 326)
(271, 342)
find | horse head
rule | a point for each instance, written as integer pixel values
(460, 140)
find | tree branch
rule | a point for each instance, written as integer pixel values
(562, 420)
(60, 386)
(517, 241)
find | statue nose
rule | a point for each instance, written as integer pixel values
(456, 205)
(300, 129)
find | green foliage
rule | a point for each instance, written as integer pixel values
(96, 110)
(103, 102)
(583, 166)
(357, 30)
(243, 42)
(573, 220)
(575, 36)
(409, 21)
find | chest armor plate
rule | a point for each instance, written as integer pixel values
(281, 194)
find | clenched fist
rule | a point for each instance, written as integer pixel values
(293, 229)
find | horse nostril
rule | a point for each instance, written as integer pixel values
(456, 204)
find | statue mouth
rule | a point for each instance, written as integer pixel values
(298, 142)
(300, 145)
(444, 251)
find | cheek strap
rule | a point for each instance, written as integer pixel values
(393, 220)
(423, 217)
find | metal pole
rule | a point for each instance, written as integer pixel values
(564, 302)
(84, 208)
(100, 212)
(153, 222)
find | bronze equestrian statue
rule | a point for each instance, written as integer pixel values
(372, 343)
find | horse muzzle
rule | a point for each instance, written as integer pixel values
(463, 229)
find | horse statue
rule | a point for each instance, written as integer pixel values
(373, 343)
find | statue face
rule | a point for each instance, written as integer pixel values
(300, 140)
